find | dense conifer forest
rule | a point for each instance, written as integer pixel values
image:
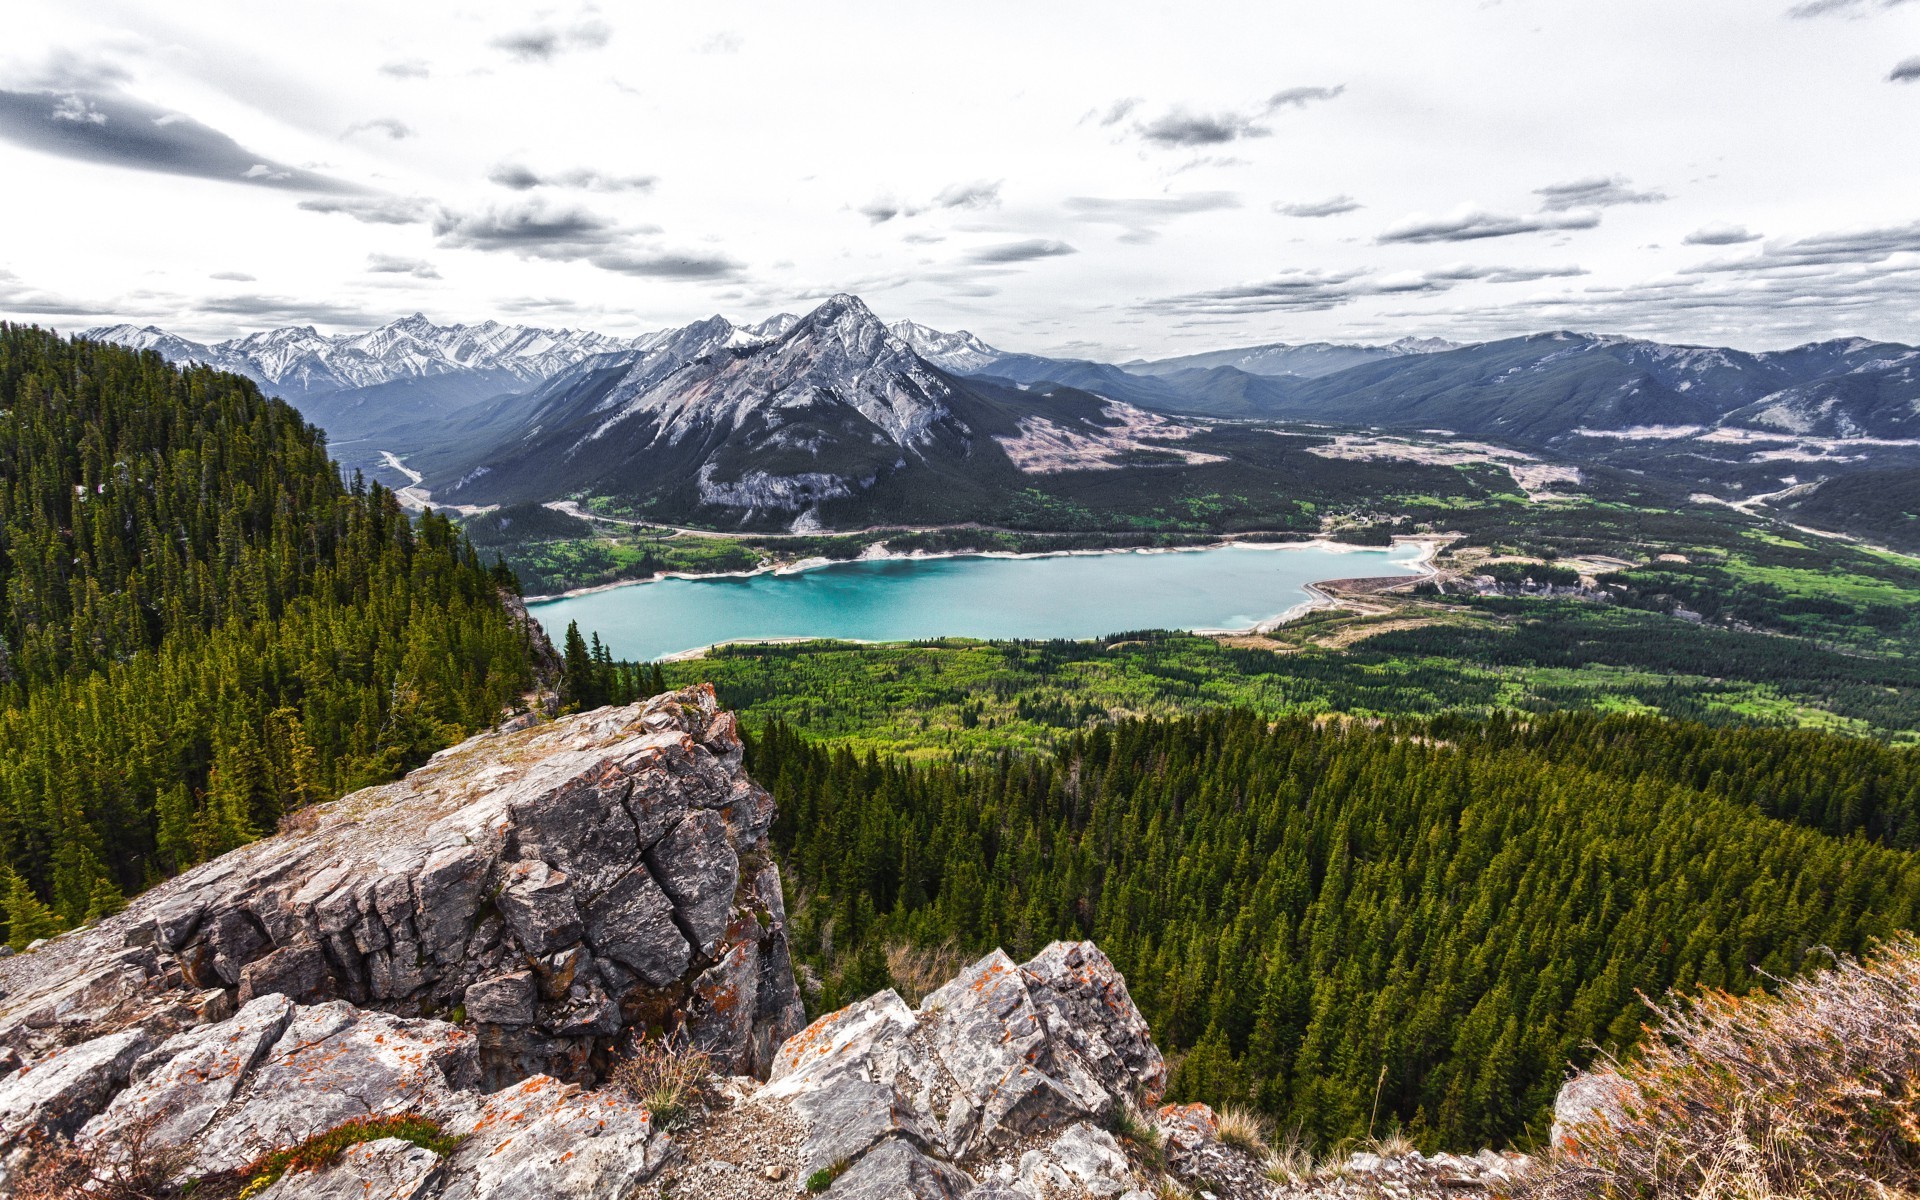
(203, 626)
(1434, 917)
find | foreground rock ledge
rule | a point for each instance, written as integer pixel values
(544, 888)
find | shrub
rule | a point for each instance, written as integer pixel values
(1813, 1093)
(667, 1075)
(51, 1168)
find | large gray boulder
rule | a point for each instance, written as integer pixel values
(1005, 1058)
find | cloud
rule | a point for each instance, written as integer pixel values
(18, 297)
(1595, 192)
(406, 68)
(1182, 128)
(724, 42)
(393, 264)
(1331, 207)
(1119, 110)
(1472, 225)
(393, 127)
(543, 43)
(375, 210)
(667, 264)
(979, 194)
(1850, 248)
(882, 209)
(1838, 8)
(518, 226)
(284, 310)
(1142, 217)
(1319, 290)
(522, 178)
(1300, 97)
(1024, 251)
(1720, 235)
(532, 229)
(232, 276)
(118, 130)
(1907, 70)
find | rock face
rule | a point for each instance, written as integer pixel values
(509, 910)
(891, 1098)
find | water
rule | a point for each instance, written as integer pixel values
(886, 600)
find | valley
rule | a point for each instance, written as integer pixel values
(943, 590)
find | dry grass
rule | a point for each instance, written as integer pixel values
(667, 1075)
(1244, 1130)
(1392, 1144)
(1291, 1158)
(918, 970)
(1813, 1094)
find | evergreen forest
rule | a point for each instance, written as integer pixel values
(204, 627)
(1356, 925)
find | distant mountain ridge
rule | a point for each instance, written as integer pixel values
(728, 423)
(303, 361)
(1307, 361)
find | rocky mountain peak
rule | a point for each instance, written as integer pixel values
(959, 351)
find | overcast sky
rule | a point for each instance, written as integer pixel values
(1108, 179)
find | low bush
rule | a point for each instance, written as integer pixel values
(667, 1075)
(1812, 1093)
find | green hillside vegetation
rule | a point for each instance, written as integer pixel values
(1464, 906)
(1476, 657)
(203, 627)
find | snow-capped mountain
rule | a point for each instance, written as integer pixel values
(837, 418)
(302, 362)
(959, 351)
(835, 393)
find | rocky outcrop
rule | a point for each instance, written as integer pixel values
(898, 1101)
(508, 911)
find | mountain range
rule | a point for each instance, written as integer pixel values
(723, 422)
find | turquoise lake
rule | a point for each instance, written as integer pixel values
(889, 600)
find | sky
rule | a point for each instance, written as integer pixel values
(1111, 179)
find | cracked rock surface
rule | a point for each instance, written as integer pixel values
(508, 911)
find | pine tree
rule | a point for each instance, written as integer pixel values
(28, 919)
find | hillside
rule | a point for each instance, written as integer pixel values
(204, 628)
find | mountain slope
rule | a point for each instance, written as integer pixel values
(203, 629)
(1867, 403)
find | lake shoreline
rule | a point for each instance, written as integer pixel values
(1430, 546)
(1426, 548)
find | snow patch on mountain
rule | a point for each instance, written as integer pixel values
(960, 352)
(302, 359)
